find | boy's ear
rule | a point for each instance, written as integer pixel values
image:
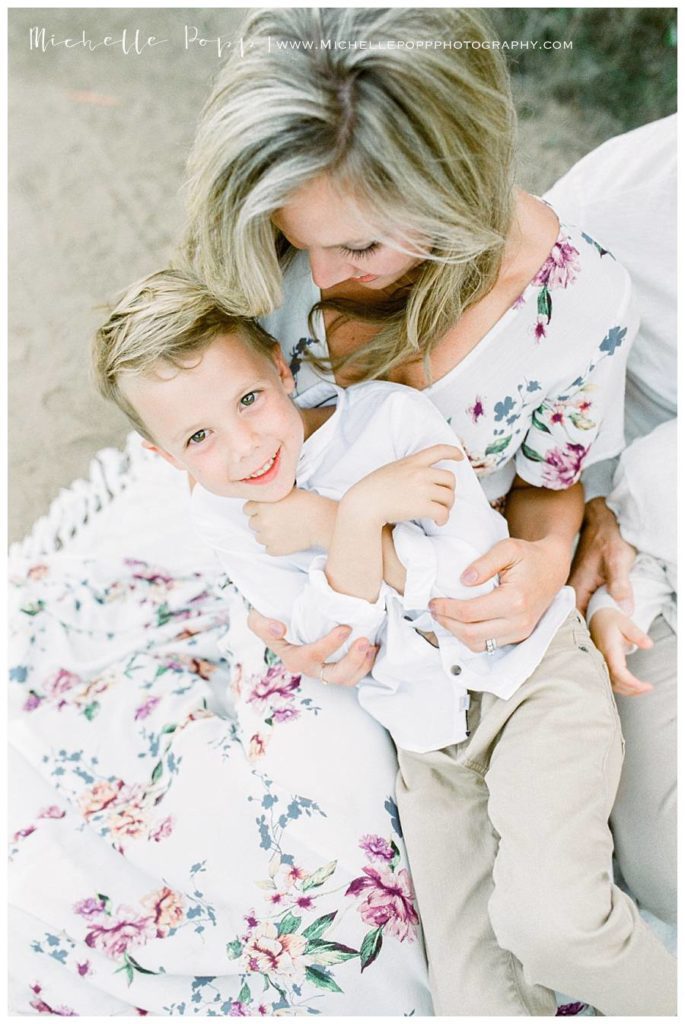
(284, 371)
(165, 455)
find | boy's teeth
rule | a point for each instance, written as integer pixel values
(264, 469)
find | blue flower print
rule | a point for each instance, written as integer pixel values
(502, 409)
(613, 340)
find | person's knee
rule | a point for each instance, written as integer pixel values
(544, 934)
(646, 851)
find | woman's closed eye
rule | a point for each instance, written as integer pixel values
(367, 251)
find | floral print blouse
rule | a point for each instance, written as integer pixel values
(541, 395)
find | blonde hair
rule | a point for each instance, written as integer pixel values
(420, 132)
(166, 317)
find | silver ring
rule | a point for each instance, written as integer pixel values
(490, 646)
(321, 672)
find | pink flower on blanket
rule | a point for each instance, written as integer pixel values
(377, 848)
(561, 266)
(61, 682)
(168, 908)
(269, 953)
(276, 686)
(51, 812)
(114, 939)
(163, 830)
(388, 901)
(100, 796)
(146, 708)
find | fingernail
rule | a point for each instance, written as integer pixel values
(470, 576)
(275, 629)
(363, 646)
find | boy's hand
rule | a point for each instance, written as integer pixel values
(613, 634)
(299, 521)
(411, 488)
(602, 556)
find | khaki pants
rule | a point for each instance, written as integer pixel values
(644, 816)
(510, 851)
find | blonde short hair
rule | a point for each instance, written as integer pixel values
(421, 132)
(166, 317)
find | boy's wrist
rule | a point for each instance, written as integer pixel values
(355, 505)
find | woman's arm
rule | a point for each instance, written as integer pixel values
(532, 566)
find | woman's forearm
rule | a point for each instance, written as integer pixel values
(546, 516)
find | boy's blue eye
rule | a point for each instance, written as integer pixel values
(198, 437)
(249, 399)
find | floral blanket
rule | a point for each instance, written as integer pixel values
(193, 830)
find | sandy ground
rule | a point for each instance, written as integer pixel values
(98, 142)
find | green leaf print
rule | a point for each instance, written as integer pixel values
(136, 966)
(321, 978)
(328, 953)
(539, 423)
(289, 924)
(244, 996)
(545, 304)
(498, 446)
(91, 710)
(157, 772)
(531, 454)
(234, 949)
(371, 947)
(319, 877)
(318, 927)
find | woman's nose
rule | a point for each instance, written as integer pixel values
(328, 268)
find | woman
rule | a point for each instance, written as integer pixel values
(391, 169)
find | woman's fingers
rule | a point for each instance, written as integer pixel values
(308, 659)
(474, 635)
(504, 555)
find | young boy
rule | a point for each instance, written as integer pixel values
(510, 759)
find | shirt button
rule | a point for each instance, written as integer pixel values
(455, 670)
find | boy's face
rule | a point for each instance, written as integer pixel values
(227, 419)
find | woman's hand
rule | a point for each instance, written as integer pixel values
(602, 556)
(530, 575)
(410, 488)
(299, 521)
(614, 634)
(310, 659)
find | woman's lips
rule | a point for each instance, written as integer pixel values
(268, 476)
(366, 278)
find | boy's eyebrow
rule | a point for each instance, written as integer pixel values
(244, 389)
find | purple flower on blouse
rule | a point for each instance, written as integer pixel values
(476, 410)
(561, 266)
(563, 466)
(540, 329)
(89, 907)
(376, 848)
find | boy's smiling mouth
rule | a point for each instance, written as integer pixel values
(266, 472)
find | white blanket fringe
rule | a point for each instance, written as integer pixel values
(110, 472)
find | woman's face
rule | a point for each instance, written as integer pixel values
(340, 243)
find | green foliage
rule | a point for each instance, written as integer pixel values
(623, 59)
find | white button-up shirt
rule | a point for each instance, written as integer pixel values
(417, 691)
